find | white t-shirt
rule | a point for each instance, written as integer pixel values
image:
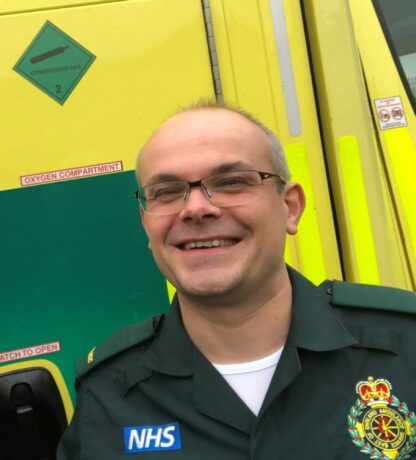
(251, 380)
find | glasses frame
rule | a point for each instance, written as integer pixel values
(200, 183)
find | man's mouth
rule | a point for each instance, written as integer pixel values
(217, 243)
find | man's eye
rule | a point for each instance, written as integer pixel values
(167, 193)
(231, 182)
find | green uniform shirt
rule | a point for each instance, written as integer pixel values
(149, 393)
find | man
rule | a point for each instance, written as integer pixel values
(252, 360)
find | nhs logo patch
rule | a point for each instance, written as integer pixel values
(148, 438)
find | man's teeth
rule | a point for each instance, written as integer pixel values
(208, 244)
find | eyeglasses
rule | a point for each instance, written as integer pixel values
(224, 189)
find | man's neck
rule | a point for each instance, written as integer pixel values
(240, 332)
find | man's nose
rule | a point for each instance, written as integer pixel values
(197, 205)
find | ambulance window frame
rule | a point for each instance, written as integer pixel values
(390, 42)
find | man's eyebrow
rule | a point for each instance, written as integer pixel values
(234, 166)
(163, 177)
(225, 167)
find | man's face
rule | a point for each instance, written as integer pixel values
(251, 236)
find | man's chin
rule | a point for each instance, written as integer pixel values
(210, 291)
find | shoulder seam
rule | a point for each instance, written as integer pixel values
(120, 341)
(346, 294)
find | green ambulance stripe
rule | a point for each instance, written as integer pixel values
(75, 266)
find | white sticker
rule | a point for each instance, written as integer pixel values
(71, 173)
(390, 113)
(30, 352)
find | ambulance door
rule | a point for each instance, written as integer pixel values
(82, 86)
(386, 38)
(371, 238)
(263, 67)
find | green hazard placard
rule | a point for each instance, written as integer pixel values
(54, 62)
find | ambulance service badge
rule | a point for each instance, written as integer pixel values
(379, 424)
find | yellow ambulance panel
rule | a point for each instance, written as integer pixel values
(390, 73)
(372, 250)
(147, 60)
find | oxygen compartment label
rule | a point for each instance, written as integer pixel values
(71, 173)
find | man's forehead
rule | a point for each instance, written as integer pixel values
(215, 123)
(200, 128)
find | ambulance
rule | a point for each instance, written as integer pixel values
(84, 83)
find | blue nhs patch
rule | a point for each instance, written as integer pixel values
(148, 438)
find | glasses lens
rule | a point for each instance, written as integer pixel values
(232, 188)
(163, 198)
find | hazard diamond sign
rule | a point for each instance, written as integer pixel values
(54, 62)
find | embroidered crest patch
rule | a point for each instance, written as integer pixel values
(379, 424)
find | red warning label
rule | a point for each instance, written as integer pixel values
(390, 112)
(30, 352)
(71, 173)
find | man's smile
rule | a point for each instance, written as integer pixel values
(211, 243)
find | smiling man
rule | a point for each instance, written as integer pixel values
(226, 238)
(252, 360)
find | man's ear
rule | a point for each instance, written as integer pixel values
(295, 200)
(143, 219)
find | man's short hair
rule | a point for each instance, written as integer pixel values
(276, 152)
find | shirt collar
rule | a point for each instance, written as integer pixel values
(171, 350)
(314, 326)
